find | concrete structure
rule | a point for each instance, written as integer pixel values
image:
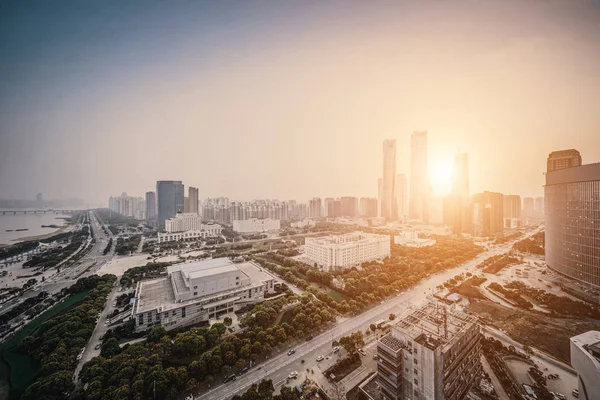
(401, 189)
(539, 205)
(184, 222)
(418, 208)
(460, 184)
(255, 225)
(572, 213)
(388, 200)
(488, 214)
(411, 239)
(199, 291)
(432, 353)
(563, 159)
(585, 359)
(204, 231)
(193, 200)
(150, 207)
(347, 250)
(170, 198)
(305, 223)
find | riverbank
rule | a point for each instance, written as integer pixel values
(40, 237)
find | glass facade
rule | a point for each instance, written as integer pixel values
(170, 196)
(573, 228)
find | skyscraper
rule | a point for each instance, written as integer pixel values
(193, 200)
(563, 159)
(349, 206)
(512, 206)
(150, 207)
(419, 183)
(460, 185)
(388, 207)
(528, 207)
(170, 196)
(539, 206)
(488, 214)
(314, 207)
(401, 188)
(368, 207)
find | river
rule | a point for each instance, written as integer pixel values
(32, 222)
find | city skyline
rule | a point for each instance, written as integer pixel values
(82, 114)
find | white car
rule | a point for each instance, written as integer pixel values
(336, 349)
(293, 374)
(320, 358)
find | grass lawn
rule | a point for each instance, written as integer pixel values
(334, 294)
(22, 368)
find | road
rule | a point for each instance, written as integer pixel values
(281, 365)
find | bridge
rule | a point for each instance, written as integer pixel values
(43, 211)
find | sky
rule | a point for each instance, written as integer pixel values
(290, 100)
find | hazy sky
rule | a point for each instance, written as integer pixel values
(281, 99)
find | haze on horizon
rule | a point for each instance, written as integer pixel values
(290, 100)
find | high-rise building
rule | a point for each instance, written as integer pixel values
(512, 210)
(488, 214)
(563, 159)
(585, 359)
(314, 207)
(388, 202)
(572, 212)
(170, 197)
(419, 182)
(349, 206)
(326, 203)
(431, 353)
(454, 209)
(368, 207)
(150, 207)
(401, 188)
(193, 200)
(528, 207)
(460, 184)
(379, 196)
(186, 204)
(539, 206)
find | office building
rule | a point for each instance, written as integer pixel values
(585, 359)
(150, 207)
(170, 198)
(512, 211)
(388, 200)
(346, 250)
(183, 222)
(314, 207)
(460, 184)
(193, 200)
(563, 159)
(431, 353)
(199, 291)
(488, 214)
(419, 181)
(368, 207)
(349, 206)
(572, 212)
(401, 188)
(256, 225)
(539, 206)
(204, 231)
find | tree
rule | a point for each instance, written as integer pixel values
(392, 317)
(156, 333)
(338, 391)
(227, 321)
(110, 348)
(373, 327)
(266, 389)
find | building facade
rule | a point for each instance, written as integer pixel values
(205, 231)
(572, 212)
(488, 214)
(585, 359)
(346, 250)
(368, 207)
(193, 200)
(401, 188)
(184, 222)
(431, 353)
(419, 181)
(170, 200)
(150, 207)
(199, 291)
(563, 159)
(388, 199)
(256, 225)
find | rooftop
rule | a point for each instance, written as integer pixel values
(154, 294)
(590, 341)
(345, 239)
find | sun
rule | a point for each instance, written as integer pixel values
(441, 178)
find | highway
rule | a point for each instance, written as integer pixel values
(278, 367)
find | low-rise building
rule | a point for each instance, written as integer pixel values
(205, 231)
(199, 291)
(431, 353)
(305, 223)
(347, 250)
(184, 222)
(411, 239)
(256, 225)
(585, 358)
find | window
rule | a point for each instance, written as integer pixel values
(416, 372)
(195, 293)
(415, 350)
(167, 314)
(416, 361)
(183, 312)
(416, 381)
(174, 312)
(195, 287)
(141, 319)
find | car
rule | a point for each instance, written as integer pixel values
(97, 346)
(309, 338)
(336, 349)
(244, 370)
(320, 358)
(291, 351)
(361, 351)
(229, 378)
(293, 374)
(575, 393)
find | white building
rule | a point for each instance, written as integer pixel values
(256, 225)
(347, 250)
(585, 358)
(411, 239)
(184, 222)
(205, 231)
(199, 291)
(305, 223)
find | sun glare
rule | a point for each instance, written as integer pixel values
(441, 178)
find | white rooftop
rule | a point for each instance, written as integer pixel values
(200, 269)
